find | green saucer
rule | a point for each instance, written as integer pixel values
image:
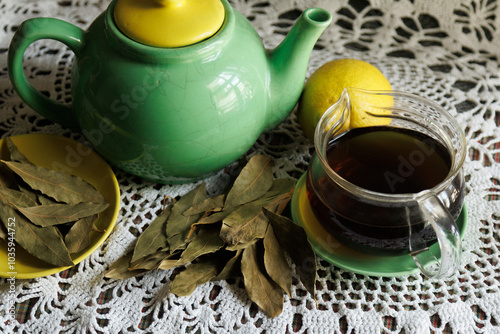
(346, 258)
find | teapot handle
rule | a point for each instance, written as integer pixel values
(30, 31)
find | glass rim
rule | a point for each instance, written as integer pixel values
(321, 141)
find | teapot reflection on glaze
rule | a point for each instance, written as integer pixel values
(172, 114)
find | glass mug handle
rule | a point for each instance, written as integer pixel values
(448, 237)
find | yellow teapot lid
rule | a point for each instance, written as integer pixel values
(169, 23)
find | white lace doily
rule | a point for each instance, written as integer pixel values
(446, 51)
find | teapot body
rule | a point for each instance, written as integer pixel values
(171, 115)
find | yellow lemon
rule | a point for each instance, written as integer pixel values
(325, 85)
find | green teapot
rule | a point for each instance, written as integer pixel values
(171, 90)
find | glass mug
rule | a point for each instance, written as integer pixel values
(394, 184)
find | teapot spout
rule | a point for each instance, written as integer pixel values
(289, 60)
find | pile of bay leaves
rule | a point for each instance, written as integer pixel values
(238, 233)
(48, 213)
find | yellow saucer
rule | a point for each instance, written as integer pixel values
(69, 156)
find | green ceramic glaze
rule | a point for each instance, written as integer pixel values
(172, 115)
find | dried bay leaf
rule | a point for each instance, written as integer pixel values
(281, 186)
(214, 217)
(78, 236)
(29, 192)
(120, 268)
(45, 200)
(278, 196)
(195, 274)
(7, 177)
(248, 222)
(227, 236)
(244, 224)
(55, 214)
(3, 232)
(209, 204)
(261, 289)
(281, 189)
(242, 245)
(60, 186)
(254, 181)
(150, 262)
(293, 239)
(154, 236)
(169, 262)
(276, 263)
(178, 225)
(16, 197)
(231, 269)
(97, 229)
(208, 219)
(45, 243)
(15, 154)
(205, 242)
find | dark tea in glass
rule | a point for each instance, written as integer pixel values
(385, 160)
